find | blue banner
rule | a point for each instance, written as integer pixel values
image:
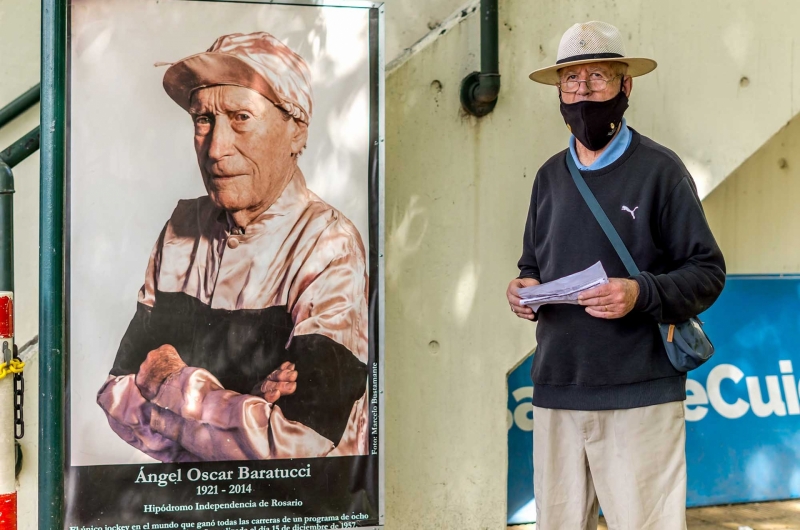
(520, 445)
(742, 407)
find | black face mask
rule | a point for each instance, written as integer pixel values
(594, 122)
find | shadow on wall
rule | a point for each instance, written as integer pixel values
(410, 226)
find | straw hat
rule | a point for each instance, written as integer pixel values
(591, 42)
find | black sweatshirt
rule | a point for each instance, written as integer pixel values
(587, 363)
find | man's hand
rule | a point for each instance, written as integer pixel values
(512, 293)
(614, 299)
(279, 383)
(159, 365)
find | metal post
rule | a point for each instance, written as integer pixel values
(8, 493)
(6, 227)
(51, 266)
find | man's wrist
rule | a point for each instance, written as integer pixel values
(635, 287)
(641, 292)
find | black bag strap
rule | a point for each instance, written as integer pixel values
(601, 217)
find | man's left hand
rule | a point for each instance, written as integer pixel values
(614, 299)
(156, 368)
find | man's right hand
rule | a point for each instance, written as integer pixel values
(512, 293)
(281, 382)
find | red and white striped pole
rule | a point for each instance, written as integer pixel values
(8, 490)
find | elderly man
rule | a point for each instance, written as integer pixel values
(608, 412)
(250, 336)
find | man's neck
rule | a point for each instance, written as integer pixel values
(587, 156)
(244, 217)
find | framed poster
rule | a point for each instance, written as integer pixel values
(224, 265)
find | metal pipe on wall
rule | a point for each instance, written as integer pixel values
(51, 266)
(490, 60)
(480, 90)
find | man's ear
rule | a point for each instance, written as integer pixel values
(627, 85)
(299, 136)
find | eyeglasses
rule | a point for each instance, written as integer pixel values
(594, 84)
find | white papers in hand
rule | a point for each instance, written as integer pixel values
(563, 290)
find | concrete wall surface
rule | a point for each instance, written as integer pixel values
(457, 195)
(408, 21)
(754, 213)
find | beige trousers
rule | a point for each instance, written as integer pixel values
(632, 460)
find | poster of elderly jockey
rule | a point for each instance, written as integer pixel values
(224, 201)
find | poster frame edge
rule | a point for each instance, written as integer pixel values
(361, 4)
(381, 261)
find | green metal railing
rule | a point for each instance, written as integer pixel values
(19, 105)
(21, 149)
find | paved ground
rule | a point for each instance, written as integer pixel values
(758, 516)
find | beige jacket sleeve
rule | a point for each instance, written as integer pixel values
(194, 418)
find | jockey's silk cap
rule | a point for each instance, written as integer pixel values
(257, 61)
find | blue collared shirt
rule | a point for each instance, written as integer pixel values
(615, 148)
